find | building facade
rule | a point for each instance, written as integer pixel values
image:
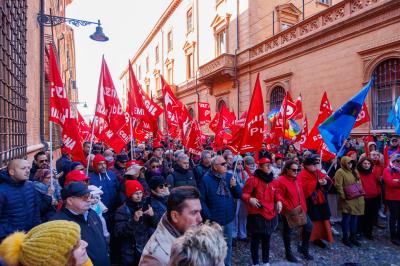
(24, 93)
(212, 50)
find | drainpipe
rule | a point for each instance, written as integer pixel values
(198, 48)
(41, 85)
(237, 83)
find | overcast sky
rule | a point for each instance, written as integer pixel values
(126, 23)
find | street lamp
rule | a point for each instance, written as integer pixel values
(77, 103)
(50, 21)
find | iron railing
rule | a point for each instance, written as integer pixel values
(13, 143)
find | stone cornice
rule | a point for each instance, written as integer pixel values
(161, 21)
(344, 20)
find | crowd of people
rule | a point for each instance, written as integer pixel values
(158, 205)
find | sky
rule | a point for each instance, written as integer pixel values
(126, 23)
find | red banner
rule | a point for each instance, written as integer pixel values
(204, 112)
(363, 116)
(84, 129)
(253, 134)
(194, 139)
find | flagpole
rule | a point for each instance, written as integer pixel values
(91, 145)
(340, 150)
(51, 155)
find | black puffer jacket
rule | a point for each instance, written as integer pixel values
(19, 205)
(132, 235)
(181, 177)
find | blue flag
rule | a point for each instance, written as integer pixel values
(394, 116)
(336, 128)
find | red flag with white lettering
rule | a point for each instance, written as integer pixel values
(204, 113)
(363, 116)
(302, 137)
(194, 139)
(253, 134)
(84, 129)
(135, 106)
(59, 103)
(172, 107)
(314, 140)
(72, 141)
(223, 133)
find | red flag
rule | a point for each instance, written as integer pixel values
(214, 123)
(84, 129)
(59, 103)
(299, 108)
(194, 140)
(116, 126)
(302, 137)
(289, 108)
(171, 106)
(72, 141)
(363, 116)
(135, 106)
(224, 128)
(314, 140)
(326, 155)
(204, 112)
(254, 127)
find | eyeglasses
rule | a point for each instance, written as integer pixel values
(222, 164)
(163, 186)
(295, 170)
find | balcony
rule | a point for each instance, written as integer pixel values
(221, 68)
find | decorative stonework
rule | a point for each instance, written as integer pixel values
(224, 61)
(327, 18)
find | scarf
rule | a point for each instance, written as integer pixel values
(267, 178)
(171, 229)
(222, 189)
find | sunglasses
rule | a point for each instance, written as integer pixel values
(222, 164)
(295, 170)
(163, 186)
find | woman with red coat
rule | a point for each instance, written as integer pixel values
(371, 183)
(263, 204)
(315, 187)
(292, 196)
(391, 178)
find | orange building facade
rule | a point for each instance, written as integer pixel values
(212, 50)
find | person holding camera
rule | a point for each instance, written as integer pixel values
(263, 204)
(133, 221)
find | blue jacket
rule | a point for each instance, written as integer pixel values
(110, 185)
(217, 208)
(19, 205)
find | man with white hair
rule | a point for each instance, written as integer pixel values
(182, 175)
(204, 166)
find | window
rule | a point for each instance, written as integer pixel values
(221, 42)
(157, 54)
(140, 72)
(189, 66)
(220, 104)
(158, 83)
(147, 64)
(385, 91)
(191, 112)
(169, 41)
(169, 75)
(326, 2)
(276, 98)
(189, 21)
(147, 89)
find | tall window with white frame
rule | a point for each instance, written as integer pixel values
(189, 20)
(220, 41)
(169, 41)
(189, 66)
(157, 54)
(140, 72)
(147, 64)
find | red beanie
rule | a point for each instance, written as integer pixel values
(132, 186)
(98, 158)
(350, 153)
(75, 176)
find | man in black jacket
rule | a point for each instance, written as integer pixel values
(76, 208)
(182, 175)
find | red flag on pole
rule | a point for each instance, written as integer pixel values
(59, 103)
(194, 139)
(171, 105)
(84, 129)
(135, 106)
(254, 127)
(204, 113)
(363, 116)
(314, 140)
(302, 137)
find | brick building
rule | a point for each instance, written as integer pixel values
(212, 51)
(24, 90)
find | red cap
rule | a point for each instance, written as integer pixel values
(264, 160)
(98, 158)
(133, 162)
(157, 144)
(279, 155)
(132, 186)
(350, 153)
(75, 176)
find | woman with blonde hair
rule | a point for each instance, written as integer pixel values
(55, 243)
(201, 246)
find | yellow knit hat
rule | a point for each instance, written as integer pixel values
(49, 243)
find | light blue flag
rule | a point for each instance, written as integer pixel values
(336, 128)
(394, 116)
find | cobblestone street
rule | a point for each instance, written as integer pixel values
(378, 252)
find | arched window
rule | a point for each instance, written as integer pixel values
(276, 98)
(220, 104)
(385, 92)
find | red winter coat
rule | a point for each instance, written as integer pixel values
(265, 193)
(392, 188)
(371, 184)
(289, 194)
